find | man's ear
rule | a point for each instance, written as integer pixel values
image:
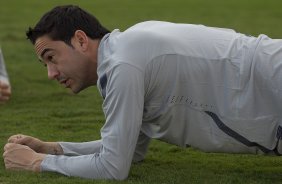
(80, 40)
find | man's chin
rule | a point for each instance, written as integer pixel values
(76, 90)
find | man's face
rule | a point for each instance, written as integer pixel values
(66, 64)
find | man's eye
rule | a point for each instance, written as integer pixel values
(50, 58)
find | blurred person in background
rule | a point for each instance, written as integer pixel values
(5, 88)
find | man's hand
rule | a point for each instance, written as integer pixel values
(5, 91)
(20, 157)
(36, 144)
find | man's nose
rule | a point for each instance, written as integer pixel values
(52, 72)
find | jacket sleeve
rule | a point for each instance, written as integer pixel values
(83, 148)
(123, 108)
(141, 147)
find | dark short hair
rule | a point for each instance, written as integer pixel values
(61, 22)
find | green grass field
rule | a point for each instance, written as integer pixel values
(44, 109)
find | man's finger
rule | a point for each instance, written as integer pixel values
(12, 139)
(6, 161)
(4, 155)
(7, 146)
(15, 138)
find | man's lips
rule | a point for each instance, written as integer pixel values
(64, 82)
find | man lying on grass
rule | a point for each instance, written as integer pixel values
(188, 85)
